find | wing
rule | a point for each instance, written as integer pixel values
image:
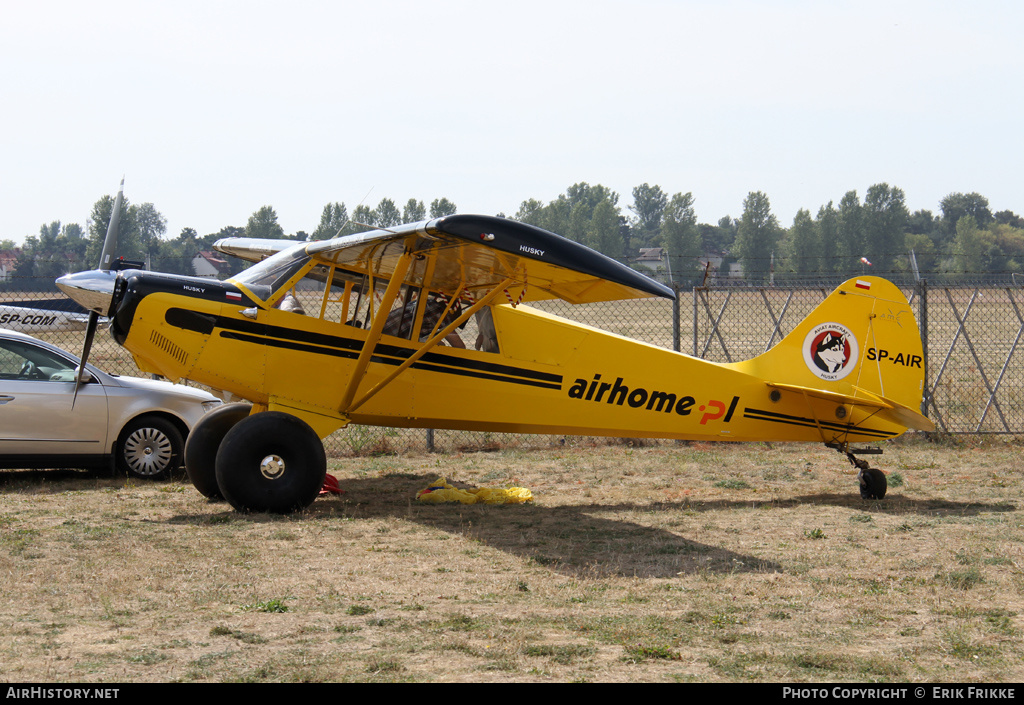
(63, 305)
(252, 249)
(472, 252)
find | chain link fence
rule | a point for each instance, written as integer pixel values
(972, 334)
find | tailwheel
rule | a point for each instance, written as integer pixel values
(872, 483)
(872, 480)
(271, 462)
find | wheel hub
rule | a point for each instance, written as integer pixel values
(272, 467)
(147, 451)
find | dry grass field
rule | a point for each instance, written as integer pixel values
(656, 562)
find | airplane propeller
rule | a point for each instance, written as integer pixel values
(94, 289)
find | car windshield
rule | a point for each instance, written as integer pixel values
(268, 276)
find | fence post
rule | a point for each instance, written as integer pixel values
(922, 323)
(676, 313)
(695, 321)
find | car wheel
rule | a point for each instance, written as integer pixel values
(203, 442)
(271, 462)
(149, 447)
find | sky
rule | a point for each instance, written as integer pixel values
(213, 109)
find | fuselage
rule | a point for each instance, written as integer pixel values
(549, 375)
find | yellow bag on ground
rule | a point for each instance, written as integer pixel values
(440, 491)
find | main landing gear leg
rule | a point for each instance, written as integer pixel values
(872, 480)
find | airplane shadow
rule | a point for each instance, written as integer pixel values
(569, 540)
(579, 541)
(894, 504)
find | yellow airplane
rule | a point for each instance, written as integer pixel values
(378, 341)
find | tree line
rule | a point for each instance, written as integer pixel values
(875, 235)
(658, 233)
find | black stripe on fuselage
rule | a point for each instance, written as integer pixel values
(762, 415)
(339, 346)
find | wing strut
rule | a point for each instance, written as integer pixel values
(438, 337)
(376, 328)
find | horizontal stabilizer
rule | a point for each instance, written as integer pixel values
(886, 408)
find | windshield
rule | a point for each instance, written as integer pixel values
(268, 276)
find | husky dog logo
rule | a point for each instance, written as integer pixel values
(830, 351)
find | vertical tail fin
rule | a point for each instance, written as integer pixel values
(861, 345)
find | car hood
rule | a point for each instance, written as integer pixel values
(159, 386)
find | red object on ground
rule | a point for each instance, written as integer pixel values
(331, 486)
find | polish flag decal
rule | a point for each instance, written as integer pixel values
(234, 295)
(861, 284)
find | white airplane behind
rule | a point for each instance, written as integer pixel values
(43, 316)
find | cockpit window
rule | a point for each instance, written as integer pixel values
(271, 274)
(352, 296)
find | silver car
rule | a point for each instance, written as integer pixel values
(139, 425)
